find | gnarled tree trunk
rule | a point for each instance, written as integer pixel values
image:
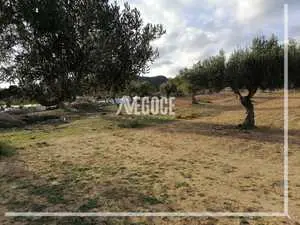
(194, 100)
(246, 101)
(249, 121)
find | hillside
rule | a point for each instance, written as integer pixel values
(155, 81)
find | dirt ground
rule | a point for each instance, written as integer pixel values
(199, 161)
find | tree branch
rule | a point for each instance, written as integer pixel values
(237, 92)
(251, 92)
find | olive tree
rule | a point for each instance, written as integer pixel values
(257, 67)
(168, 88)
(52, 47)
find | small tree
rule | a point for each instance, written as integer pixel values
(168, 88)
(205, 75)
(182, 85)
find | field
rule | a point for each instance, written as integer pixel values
(198, 161)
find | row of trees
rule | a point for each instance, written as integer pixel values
(57, 49)
(260, 66)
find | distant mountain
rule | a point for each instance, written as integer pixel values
(155, 81)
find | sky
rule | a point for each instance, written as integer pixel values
(198, 29)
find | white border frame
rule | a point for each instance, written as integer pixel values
(285, 212)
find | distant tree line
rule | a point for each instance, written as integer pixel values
(57, 49)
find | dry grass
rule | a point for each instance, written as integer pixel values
(200, 162)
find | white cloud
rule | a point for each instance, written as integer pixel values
(197, 29)
(247, 10)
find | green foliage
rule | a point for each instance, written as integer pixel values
(183, 85)
(207, 74)
(168, 88)
(213, 71)
(53, 193)
(260, 66)
(91, 204)
(140, 88)
(53, 48)
(294, 64)
(14, 96)
(151, 200)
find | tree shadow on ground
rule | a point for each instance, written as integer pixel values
(24, 191)
(274, 97)
(132, 121)
(261, 133)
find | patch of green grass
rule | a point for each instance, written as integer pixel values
(181, 184)
(53, 194)
(16, 204)
(151, 200)
(37, 207)
(91, 204)
(141, 121)
(6, 150)
(46, 132)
